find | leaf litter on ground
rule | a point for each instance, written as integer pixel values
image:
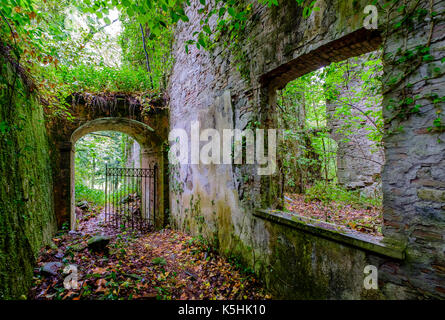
(163, 264)
(367, 220)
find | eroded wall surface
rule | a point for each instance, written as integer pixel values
(134, 155)
(226, 89)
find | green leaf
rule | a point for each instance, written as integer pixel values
(202, 42)
(207, 29)
(427, 58)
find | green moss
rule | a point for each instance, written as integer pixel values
(27, 219)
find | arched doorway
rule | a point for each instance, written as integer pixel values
(151, 151)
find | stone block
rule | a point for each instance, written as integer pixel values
(429, 194)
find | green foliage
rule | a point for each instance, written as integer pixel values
(93, 153)
(308, 148)
(310, 153)
(356, 108)
(158, 48)
(84, 193)
(159, 261)
(231, 17)
(408, 60)
(63, 48)
(88, 78)
(330, 192)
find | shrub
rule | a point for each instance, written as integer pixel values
(329, 192)
(84, 193)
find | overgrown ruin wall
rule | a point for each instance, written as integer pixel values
(237, 90)
(27, 219)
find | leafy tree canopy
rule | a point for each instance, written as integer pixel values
(64, 47)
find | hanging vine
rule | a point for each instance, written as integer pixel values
(408, 61)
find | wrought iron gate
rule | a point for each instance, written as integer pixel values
(130, 197)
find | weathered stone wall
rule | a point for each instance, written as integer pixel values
(27, 220)
(219, 201)
(359, 159)
(414, 171)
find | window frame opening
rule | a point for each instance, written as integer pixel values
(334, 116)
(352, 45)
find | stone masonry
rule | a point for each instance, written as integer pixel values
(220, 202)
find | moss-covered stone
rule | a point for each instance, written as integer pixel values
(431, 194)
(27, 219)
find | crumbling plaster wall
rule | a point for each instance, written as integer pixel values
(134, 155)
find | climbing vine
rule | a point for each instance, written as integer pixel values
(409, 61)
(229, 30)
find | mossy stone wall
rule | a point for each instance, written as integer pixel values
(27, 220)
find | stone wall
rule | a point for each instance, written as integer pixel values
(414, 171)
(219, 201)
(27, 220)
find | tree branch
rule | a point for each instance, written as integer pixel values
(146, 54)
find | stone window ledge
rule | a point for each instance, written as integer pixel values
(333, 232)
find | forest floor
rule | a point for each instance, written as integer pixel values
(164, 264)
(366, 219)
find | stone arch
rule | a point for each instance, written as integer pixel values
(105, 111)
(141, 132)
(151, 152)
